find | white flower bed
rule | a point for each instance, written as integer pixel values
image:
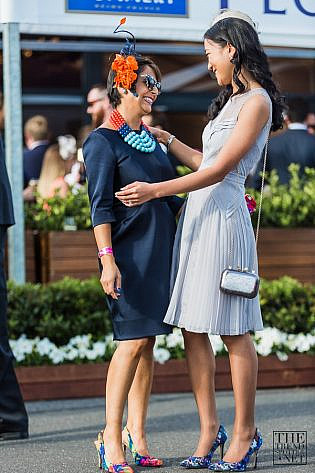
(82, 349)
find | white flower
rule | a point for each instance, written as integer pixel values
(45, 346)
(216, 343)
(160, 340)
(282, 356)
(71, 354)
(161, 355)
(99, 348)
(175, 339)
(57, 356)
(81, 341)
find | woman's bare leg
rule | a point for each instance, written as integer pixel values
(138, 398)
(201, 368)
(244, 367)
(120, 376)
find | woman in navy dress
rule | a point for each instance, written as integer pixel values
(135, 249)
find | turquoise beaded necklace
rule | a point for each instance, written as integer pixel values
(143, 142)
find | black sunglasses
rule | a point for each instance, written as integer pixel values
(150, 82)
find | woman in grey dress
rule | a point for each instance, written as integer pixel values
(215, 232)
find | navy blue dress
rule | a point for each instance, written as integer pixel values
(142, 236)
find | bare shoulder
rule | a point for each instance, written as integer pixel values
(256, 110)
(259, 103)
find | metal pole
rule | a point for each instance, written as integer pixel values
(14, 145)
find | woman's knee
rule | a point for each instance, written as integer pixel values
(236, 340)
(193, 337)
(134, 348)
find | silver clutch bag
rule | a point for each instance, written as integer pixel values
(239, 283)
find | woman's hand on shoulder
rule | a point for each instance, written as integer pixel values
(161, 135)
(137, 193)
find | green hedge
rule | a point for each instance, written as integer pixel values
(71, 307)
(290, 205)
(58, 310)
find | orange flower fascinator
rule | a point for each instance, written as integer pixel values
(125, 64)
(124, 68)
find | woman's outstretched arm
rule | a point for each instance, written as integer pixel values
(251, 120)
(186, 155)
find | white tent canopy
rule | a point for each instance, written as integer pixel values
(281, 22)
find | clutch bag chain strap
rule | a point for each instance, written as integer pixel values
(260, 201)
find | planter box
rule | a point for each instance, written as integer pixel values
(31, 256)
(71, 381)
(287, 251)
(281, 252)
(72, 253)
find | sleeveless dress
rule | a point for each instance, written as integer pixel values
(215, 232)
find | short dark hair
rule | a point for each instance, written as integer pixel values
(113, 94)
(298, 109)
(101, 87)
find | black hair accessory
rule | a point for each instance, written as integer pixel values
(129, 48)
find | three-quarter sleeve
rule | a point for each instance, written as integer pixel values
(100, 163)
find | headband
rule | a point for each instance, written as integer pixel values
(233, 14)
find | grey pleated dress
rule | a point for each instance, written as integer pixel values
(215, 231)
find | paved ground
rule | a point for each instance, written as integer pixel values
(62, 431)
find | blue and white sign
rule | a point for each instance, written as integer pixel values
(137, 7)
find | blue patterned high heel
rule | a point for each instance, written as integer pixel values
(251, 455)
(103, 462)
(203, 462)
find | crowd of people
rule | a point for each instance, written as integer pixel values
(50, 168)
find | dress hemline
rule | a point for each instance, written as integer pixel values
(209, 332)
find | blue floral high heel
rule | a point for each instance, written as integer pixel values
(251, 455)
(103, 462)
(203, 462)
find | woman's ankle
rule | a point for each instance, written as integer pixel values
(136, 431)
(244, 432)
(112, 433)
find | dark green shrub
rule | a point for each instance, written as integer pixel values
(291, 205)
(71, 307)
(288, 305)
(58, 310)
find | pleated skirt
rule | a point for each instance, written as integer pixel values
(211, 237)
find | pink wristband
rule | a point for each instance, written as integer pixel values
(105, 251)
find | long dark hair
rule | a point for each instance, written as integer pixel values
(113, 94)
(250, 55)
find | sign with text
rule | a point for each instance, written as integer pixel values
(137, 7)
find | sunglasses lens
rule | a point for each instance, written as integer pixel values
(151, 83)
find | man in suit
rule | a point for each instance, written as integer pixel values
(36, 140)
(13, 416)
(295, 145)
